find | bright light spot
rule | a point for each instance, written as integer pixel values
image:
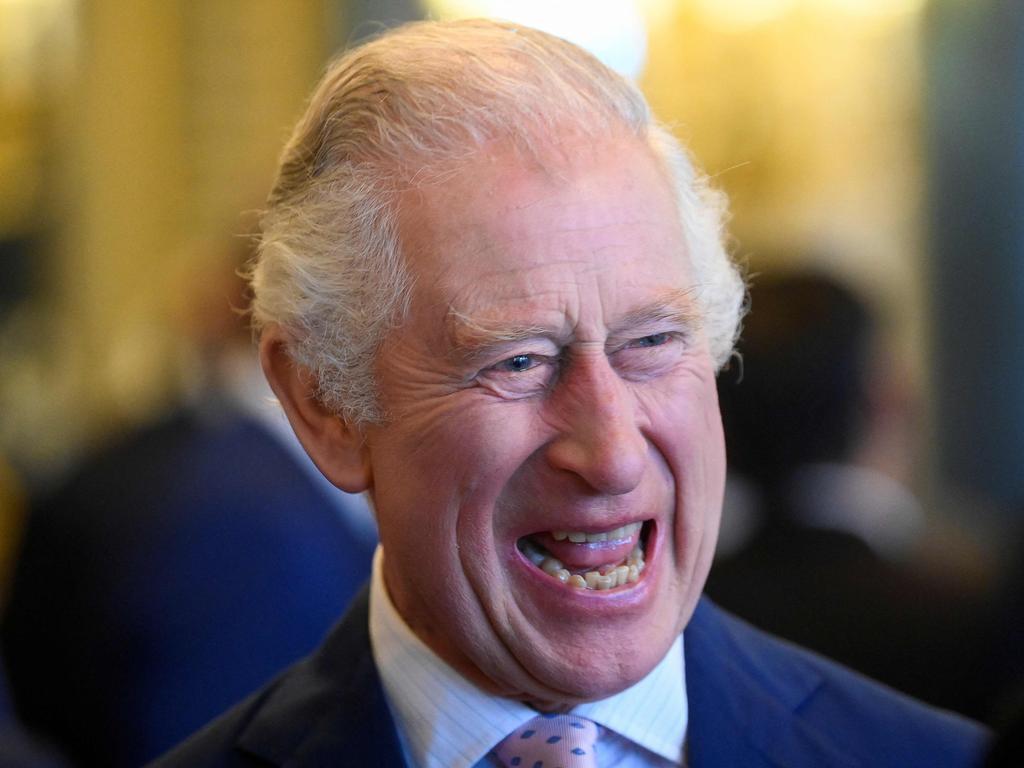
(745, 13)
(613, 30)
(658, 11)
(36, 38)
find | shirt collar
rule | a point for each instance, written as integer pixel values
(652, 713)
(444, 721)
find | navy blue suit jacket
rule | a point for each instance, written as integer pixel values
(753, 701)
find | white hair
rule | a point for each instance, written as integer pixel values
(415, 104)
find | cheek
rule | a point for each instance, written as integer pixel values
(458, 450)
(697, 529)
(687, 431)
(715, 459)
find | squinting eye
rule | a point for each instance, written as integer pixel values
(654, 340)
(518, 363)
(522, 375)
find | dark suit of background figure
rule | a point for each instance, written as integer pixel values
(753, 702)
(1005, 662)
(170, 577)
(18, 748)
(1008, 748)
(801, 405)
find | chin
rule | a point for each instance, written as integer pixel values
(601, 662)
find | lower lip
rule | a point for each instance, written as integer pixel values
(547, 589)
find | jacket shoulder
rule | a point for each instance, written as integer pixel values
(214, 745)
(782, 688)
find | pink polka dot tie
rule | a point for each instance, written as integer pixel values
(551, 741)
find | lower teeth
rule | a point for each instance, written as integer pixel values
(615, 576)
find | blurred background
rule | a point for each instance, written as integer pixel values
(877, 142)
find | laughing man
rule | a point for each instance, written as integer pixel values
(492, 294)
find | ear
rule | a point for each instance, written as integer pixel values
(335, 447)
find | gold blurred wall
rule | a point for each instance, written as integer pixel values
(165, 118)
(810, 120)
(165, 126)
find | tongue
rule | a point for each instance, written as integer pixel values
(589, 556)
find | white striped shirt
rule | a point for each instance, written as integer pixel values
(444, 721)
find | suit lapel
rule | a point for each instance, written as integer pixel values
(329, 709)
(743, 701)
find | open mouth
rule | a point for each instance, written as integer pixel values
(589, 560)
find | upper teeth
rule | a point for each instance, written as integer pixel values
(579, 537)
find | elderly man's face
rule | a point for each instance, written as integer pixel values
(549, 483)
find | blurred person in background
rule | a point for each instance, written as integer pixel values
(182, 565)
(830, 560)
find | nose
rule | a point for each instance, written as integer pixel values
(599, 438)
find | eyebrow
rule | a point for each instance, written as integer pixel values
(677, 307)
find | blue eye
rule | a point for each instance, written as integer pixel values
(518, 363)
(654, 340)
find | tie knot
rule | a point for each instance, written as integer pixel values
(551, 741)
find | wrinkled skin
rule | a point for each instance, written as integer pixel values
(553, 375)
